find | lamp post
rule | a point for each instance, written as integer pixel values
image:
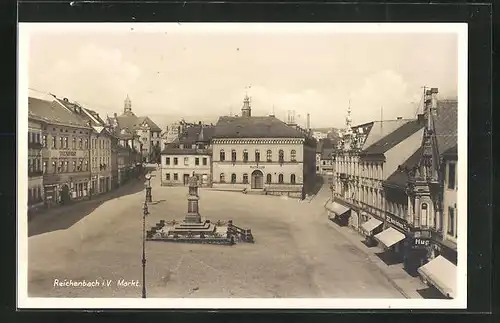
(144, 213)
(149, 197)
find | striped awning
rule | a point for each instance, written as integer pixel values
(442, 274)
(390, 237)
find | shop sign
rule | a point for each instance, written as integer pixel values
(421, 243)
(67, 153)
(400, 223)
(257, 167)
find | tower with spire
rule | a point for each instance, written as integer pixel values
(246, 110)
(127, 109)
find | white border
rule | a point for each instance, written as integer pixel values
(25, 29)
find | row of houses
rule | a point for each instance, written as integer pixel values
(74, 153)
(259, 154)
(396, 183)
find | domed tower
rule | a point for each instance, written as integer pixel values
(193, 215)
(246, 110)
(127, 108)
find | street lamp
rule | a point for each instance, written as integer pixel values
(149, 198)
(144, 213)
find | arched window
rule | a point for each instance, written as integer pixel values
(280, 178)
(222, 178)
(233, 178)
(257, 155)
(222, 155)
(293, 155)
(245, 178)
(423, 217)
(233, 155)
(281, 155)
(269, 155)
(268, 178)
(292, 178)
(245, 155)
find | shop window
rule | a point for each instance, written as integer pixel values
(269, 178)
(245, 178)
(233, 178)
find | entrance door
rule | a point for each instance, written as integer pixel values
(186, 179)
(65, 198)
(257, 179)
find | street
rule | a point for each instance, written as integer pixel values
(296, 252)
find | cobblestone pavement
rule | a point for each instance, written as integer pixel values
(296, 253)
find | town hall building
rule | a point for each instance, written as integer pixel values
(262, 154)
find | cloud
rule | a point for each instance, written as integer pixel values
(96, 75)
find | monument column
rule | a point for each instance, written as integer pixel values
(193, 215)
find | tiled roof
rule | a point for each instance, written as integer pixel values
(377, 130)
(131, 121)
(185, 151)
(153, 126)
(53, 112)
(394, 138)
(196, 133)
(445, 123)
(254, 127)
(400, 177)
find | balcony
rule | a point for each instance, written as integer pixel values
(36, 173)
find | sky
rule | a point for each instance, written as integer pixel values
(202, 75)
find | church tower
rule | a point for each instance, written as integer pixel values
(127, 109)
(246, 110)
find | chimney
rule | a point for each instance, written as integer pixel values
(308, 125)
(65, 100)
(199, 123)
(399, 118)
(434, 92)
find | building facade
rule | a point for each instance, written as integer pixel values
(35, 164)
(262, 154)
(189, 154)
(65, 154)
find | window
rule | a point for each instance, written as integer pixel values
(30, 166)
(167, 162)
(257, 155)
(167, 176)
(30, 138)
(292, 178)
(54, 140)
(245, 178)
(280, 178)
(186, 161)
(60, 167)
(233, 178)
(269, 178)
(281, 156)
(74, 165)
(324, 163)
(245, 156)
(86, 165)
(293, 155)
(233, 155)
(66, 166)
(222, 178)
(269, 155)
(73, 144)
(80, 143)
(86, 144)
(222, 155)
(204, 161)
(423, 217)
(197, 161)
(451, 176)
(176, 176)
(61, 142)
(66, 142)
(44, 167)
(317, 168)
(451, 221)
(80, 165)
(54, 166)
(176, 162)
(44, 142)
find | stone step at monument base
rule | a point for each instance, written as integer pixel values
(184, 228)
(255, 192)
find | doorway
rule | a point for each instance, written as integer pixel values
(257, 180)
(65, 197)
(185, 179)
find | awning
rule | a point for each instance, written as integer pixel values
(441, 273)
(371, 225)
(336, 208)
(390, 237)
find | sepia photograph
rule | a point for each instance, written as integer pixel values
(242, 165)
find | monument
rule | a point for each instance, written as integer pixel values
(193, 230)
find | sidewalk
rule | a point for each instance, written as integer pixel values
(399, 278)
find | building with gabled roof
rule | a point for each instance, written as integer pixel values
(149, 133)
(262, 154)
(190, 153)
